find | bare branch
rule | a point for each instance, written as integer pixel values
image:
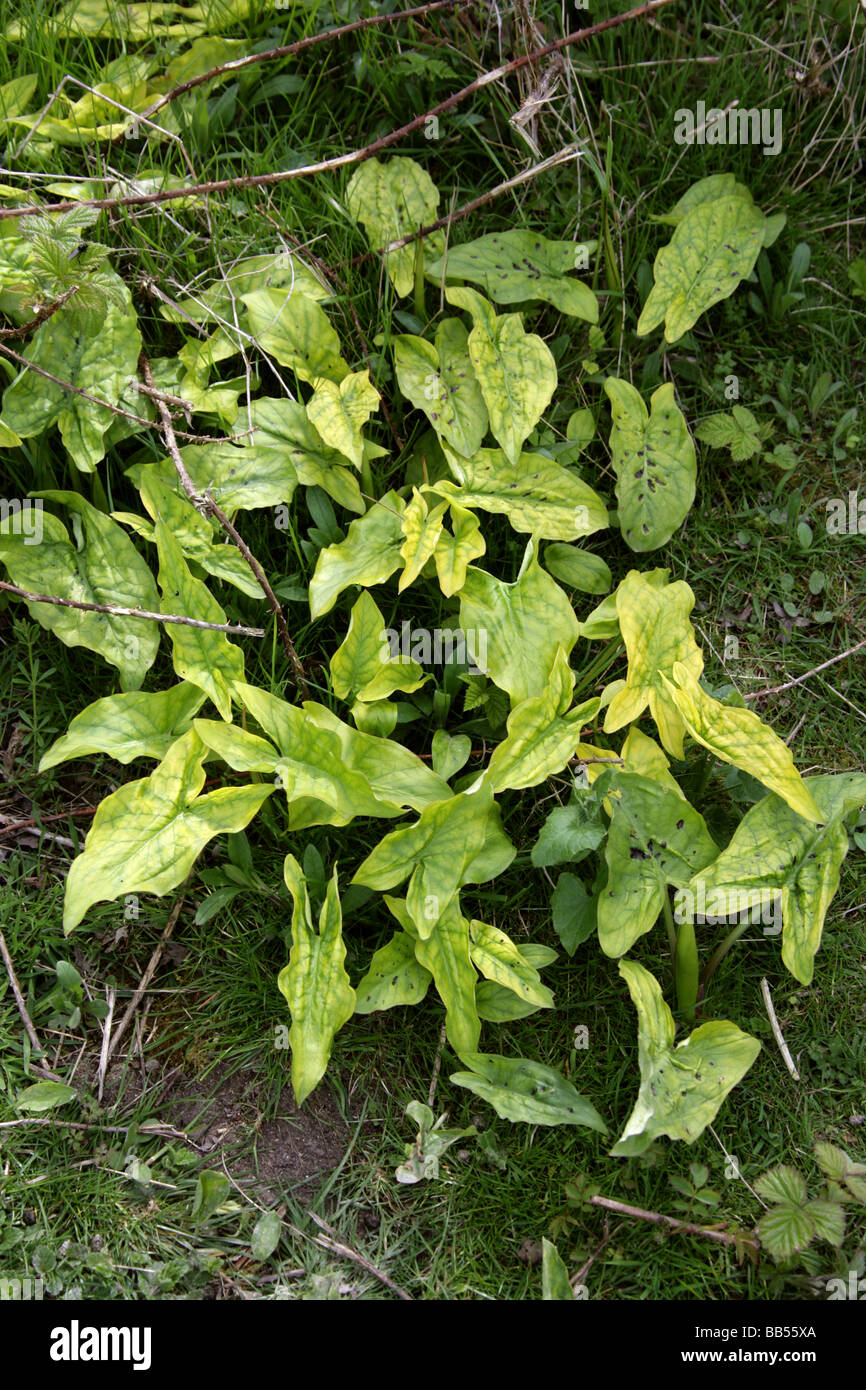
(353, 156)
(115, 611)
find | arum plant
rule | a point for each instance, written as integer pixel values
(472, 388)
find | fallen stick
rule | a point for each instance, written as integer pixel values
(116, 611)
(659, 1219)
(22, 1008)
(777, 1032)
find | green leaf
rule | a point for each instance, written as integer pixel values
(146, 836)
(541, 738)
(450, 752)
(740, 737)
(714, 247)
(97, 353)
(515, 266)
(526, 1092)
(44, 1096)
(285, 434)
(336, 771)
(536, 494)
(574, 912)
(362, 666)
(515, 370)
(525, 624)
(737, 431)
(444, 951)
(266, 1235)
(456, 549)
(829, 1219)
(704, 191)
(836, 1164)
(580, 569)
(295, 330)
(555, 1286)
(339, 413)
(453, 842)
(422, 527)
(390, 200)
(211, 1190)
(107, 569)
(438, 379)
(776, 851)
(395, 976)
(654, 620)
(570, 832)
(655, 838)
(196, 536)
(315, 983)
(654, 459)
(125, 727)
(782, 1184)
(497, 957)
(369, 555)
(206, 658)
(682, 1087)
(785, 1229)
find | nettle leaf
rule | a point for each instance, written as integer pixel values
(525, 622)
(369, 555)
(286, 435)
(296, 331)
(454, 842)
(363, 666)
(422, 527)
(438, 379)
(541, 736)
(126, 727)
(498, 959)
(738, 431)
(515, 266)
(390, 200)
(394, 976)
(740, 737)
(146, 836)
(655, 839)
(571, 832)
(682, 1087)
(107, 569)
(315, 982)
(200, 655)
(713, 248)
(786, 1229)
(653, 617)
(535, 493)
(775, 851)
(339, 413)
(445, 952)
(578, 568)
(654, 459)
(526, 1092)
(339, 768)
(98, 353)
(515, 370)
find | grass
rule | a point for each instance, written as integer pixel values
(214, 1005)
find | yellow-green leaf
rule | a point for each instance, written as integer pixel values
(146, 836)
(395, 976)
(315, 982)
(444, 951)
(457, 548)
(438, 379)
(740, 737)
(296, 331)
(537, 494)
(654, 621)
(363, 666)
(139, 725)
(654, 459)
(339, 413)
(391, 199)
(518, 265)
(681, 1087)
(422, 527)
(369, 555)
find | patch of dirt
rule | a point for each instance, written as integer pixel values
(290, 1154)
